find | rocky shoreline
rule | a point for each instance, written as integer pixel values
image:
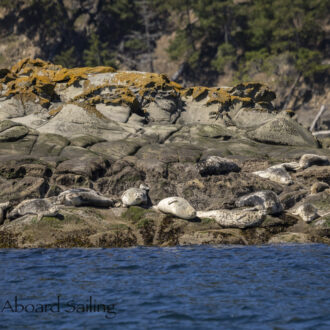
(92, 157)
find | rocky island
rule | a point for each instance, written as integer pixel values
(94, 157)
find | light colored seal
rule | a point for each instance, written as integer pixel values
(235, 218)
(307, 212)
(135, 196)
(264, 200)
(275, 173)
(309, 160)
(178, 207)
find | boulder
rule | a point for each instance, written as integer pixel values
(264, 200)
(83, 197)
(135, 196)
(275, 173)
(307, 212)
(178, 207)
(13, 134)
(308, 160)
(40, 207)
(289, 237)
(214, 165)
(283, 131)
(235, 218)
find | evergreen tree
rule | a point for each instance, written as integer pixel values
(66, 58)
(98, 53)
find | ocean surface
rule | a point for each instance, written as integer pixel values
(198, 287)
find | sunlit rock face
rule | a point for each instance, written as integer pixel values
(110, 131)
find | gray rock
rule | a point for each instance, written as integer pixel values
(178, 207)
(13, 134)
(49, 145)
(308, 160)
(40, 207)
(283, 238)
(235, 218)
(83, 197)
(85, 141)
(249, 118)
(135, 196)
(264, 200)
(275, 173)
(283, 131)
(215, 165)
(117, 149)
(6, 124)
(307, 212)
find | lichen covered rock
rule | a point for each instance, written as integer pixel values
(76, 136)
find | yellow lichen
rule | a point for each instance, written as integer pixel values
(53, 112)
(38, 77)
(35, 80)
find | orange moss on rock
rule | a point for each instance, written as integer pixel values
(118, 95)
(35, 80)
(145, 82)
(255, 90)
(39, 78)
(53, 112)
(215, 95)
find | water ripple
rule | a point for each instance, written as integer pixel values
(204, 287)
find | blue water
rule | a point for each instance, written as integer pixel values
(221, 287)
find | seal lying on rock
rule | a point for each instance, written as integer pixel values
(235, 218)
(319, 187)
(178, 207)
(83, 197)
(135, 196)
(275, 173)
(3, 207)
(214, 165)
(306, 212)
(308, 160)
(40, 207)
(292, 166)
(265, 200)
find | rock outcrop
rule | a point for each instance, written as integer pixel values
(74, 143)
